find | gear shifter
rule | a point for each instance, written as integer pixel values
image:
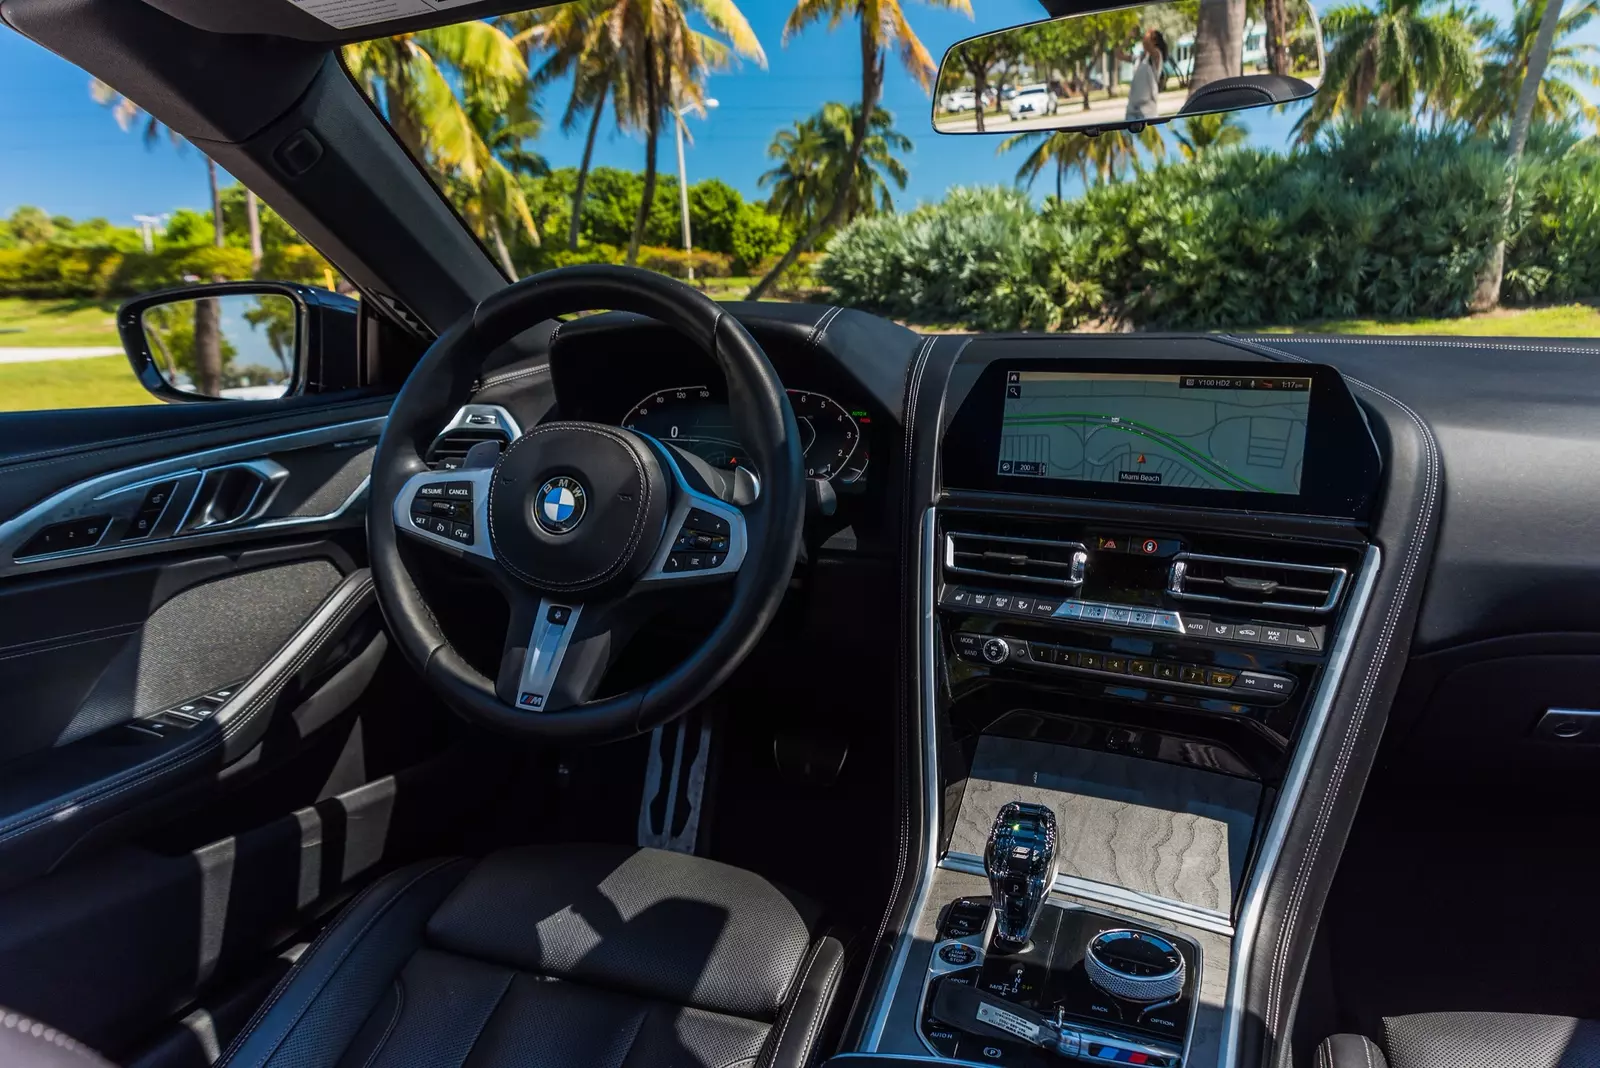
(1020, 860)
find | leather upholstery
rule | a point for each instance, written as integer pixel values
(591, 955)
(1469, 1040)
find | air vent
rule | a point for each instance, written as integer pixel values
(1056, 563)
(1257, 583)
(473, 424)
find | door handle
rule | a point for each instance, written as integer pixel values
(233, 494)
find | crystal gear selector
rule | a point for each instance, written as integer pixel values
(1020, 860)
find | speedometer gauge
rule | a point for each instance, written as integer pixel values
(829, 435)
(689, 418)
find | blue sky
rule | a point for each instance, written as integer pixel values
(63, 152)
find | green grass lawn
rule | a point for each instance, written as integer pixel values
(1566, 320)
(38, 323)
(95, 382)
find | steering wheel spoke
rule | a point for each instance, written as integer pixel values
(447, 509)
(556, 651)
(707, 537)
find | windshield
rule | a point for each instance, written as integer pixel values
(725, 144)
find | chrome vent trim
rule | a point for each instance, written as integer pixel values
(472, 423)
(1321, 591)
(1063, 567)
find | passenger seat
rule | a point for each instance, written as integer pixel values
(1469, 1040)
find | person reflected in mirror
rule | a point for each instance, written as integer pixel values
(1144, 90)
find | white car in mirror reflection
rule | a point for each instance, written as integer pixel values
(1032, 100)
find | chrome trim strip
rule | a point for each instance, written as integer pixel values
(927, 695)
(1108, 894)
(1294, 784)
(1176, 574)
(84, 499)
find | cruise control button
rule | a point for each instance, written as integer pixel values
(431, 490)
(421, 520)
(461, 532)
(438, 526)
(458, 491)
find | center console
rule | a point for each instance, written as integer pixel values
(1140, 581)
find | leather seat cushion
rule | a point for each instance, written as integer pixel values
(1470, 1040)
(555, 955)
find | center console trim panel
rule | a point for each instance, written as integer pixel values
(1272, 839)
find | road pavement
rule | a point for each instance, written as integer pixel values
(64, 352)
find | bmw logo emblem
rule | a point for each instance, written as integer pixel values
(559, 505)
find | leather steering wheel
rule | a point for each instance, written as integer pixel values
(585, 528)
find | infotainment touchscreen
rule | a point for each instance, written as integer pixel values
(1238, 433)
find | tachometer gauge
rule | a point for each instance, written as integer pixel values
(829, 435)
(688, 417)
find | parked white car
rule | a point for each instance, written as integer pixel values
(958, 101)
(1032, 100)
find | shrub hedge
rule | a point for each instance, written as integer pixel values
(1381, 218)
(55, 271)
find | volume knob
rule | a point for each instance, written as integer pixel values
(996, 650)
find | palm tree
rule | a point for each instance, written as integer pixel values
(1395, 56)
(1107, 157)
(576, 39)
(809, 154)
(1506, 52)
(882, 25)
(127, 113)
(664, 63)
(1218, 41)
(1486, 294)
(429, 84)
(1200, 134)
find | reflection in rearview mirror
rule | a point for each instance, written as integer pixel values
(237, 345)
(1130, 67)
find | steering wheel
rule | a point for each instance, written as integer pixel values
(586, 529)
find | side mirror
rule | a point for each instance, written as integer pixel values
(236, 340)
(1127, 68)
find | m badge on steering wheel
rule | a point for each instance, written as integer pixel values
(560, 504)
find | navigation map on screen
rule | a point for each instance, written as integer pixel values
(1218, 432)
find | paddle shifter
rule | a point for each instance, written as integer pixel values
(1021, 862)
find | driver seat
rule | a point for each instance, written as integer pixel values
(551, 956)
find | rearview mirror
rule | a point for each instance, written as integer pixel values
(1129, 67)
(231, 340)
